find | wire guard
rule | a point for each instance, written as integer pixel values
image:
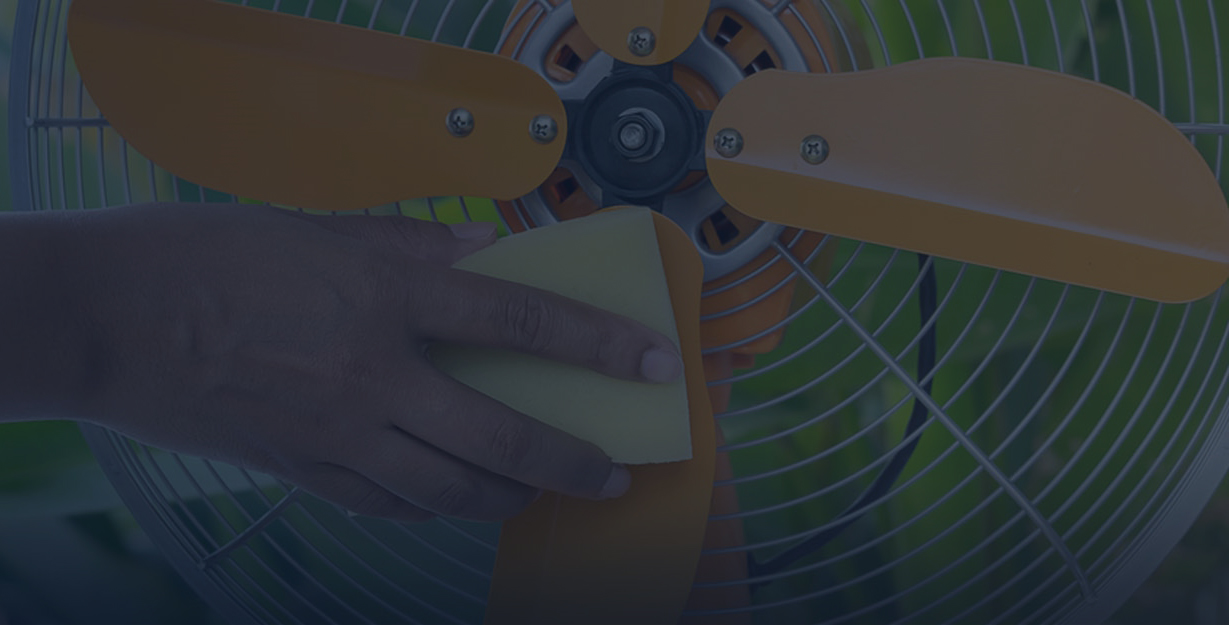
(885, 479)
(1103, 419)
(947, 422)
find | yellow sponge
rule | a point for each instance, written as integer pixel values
(610, 260)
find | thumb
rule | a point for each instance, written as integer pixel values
(472, 236)
(425, 240)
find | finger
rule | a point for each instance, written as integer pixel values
(425, 240)
(484, 432)
(437, 481)
(356, 493)
(464, 307)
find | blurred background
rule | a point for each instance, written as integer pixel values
(71, 553)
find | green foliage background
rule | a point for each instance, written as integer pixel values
(62, 526)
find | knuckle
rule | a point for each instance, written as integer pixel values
(608, 347)
(262, 460)
(424, 240)
(383, 274)
(527, 321)
(398, 511)
(512, 446)
(392, 232)
(376, 503)
(454, 496)
(357, 374)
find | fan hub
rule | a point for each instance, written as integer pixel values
(637, 135)
(741, 37)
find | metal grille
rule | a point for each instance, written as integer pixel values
(1073, 434)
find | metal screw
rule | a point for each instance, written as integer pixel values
(728, 143)
(641, 41)
(460, 122)
(638, 134)
(814, 149)
(633, 136)
(544, 129)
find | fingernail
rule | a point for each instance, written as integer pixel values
(661, 366)
(351, 514)
(473, 230)
(619, 481)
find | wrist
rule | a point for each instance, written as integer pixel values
(44, 343)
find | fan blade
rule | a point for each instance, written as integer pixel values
(990, 163)
(310, 113)
(674, 24)
(631, 559)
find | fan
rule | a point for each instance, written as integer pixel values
(1025, 449)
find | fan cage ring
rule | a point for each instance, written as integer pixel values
(1108, 413)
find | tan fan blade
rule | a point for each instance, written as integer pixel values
(990, 163)
(309, 113)
(631, 559)
(613, 25)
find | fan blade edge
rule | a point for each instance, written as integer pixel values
(674, 25)
(310, 113)
(985, 162)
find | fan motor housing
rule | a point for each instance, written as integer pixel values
(637, 134)
(747, 292)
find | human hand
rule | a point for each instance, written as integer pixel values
(295, 345)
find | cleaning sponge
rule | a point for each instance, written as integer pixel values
(609, 260)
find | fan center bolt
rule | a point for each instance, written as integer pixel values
(633, 136)
(638, 135)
